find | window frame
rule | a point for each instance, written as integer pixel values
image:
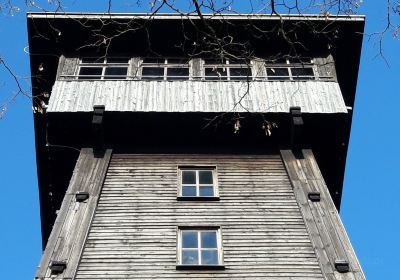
(165, 65)
(199, 249)
(211, 168)
(289, 66)
(227, 65)
(104, 65)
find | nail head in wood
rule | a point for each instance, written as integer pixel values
(81, 196)
(342, 266)
(314, 196)
(57, 267)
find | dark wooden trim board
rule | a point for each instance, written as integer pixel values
(322, 220)
(74, 218)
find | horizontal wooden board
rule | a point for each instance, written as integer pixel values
(134, 231)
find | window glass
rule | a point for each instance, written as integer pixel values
(278, 73)
(305, 73)
(190, 257)
(206, 191)
(208, 239)
(209, 257)
(240, 73)
(189, 239)
(205, 177)
(177, 73)
(188, 190)
(115, 73)
(215, 73)
(90, 72)
(152, 73)
(188, 177)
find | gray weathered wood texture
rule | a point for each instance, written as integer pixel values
(134, 231)
(133, 70)
(326, 230)
(196, 68)
(60, 67)
(69, 67)
(197, 96)
(326, 66)
(74, 218)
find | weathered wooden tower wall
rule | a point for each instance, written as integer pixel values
(152, 194)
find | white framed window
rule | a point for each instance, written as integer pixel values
(199, 247)
(198, 183)
(109, 68)
(171, 69)
(291, 69)
(227, 69)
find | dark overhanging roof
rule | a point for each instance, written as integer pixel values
(318, 17)
(51, 35)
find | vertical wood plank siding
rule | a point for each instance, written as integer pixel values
(73, 220)
(322, 219)
(196, 96)
(134, 231)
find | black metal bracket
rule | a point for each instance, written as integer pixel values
(314, 196)
(98, 130)
(296, 135)
(81, 196)
(342, 266)
(57, 267)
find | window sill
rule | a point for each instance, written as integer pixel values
(200, 267)
(198, 198)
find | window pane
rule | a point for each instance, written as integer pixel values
(189, 239)
(205, 177)
(188, 191)
(188, 177)
(240, 73)
(152, 73)
(115, 72)
(278, 73)
(305, 73)
(90, 72)
(206, 191)
(209, 257)
(177, 73)
(190, 257)
(208, 239)
(215, 74)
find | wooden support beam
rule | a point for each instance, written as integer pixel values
(328, 236)
(296, 134)
(65, 245)
(98, 130)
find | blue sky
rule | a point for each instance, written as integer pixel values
(370, 204)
